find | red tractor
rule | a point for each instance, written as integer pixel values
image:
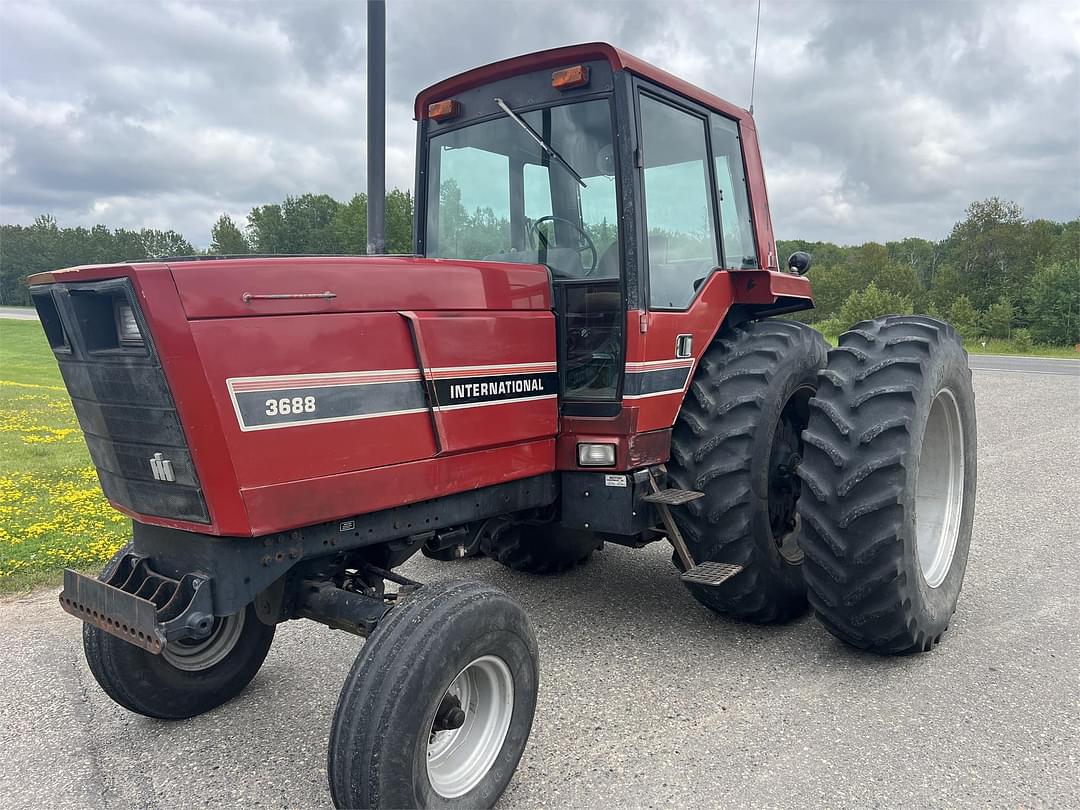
(581, 351)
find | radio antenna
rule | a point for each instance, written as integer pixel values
(753, 74)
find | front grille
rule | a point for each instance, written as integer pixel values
(123, 403)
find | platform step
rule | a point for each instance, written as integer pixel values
(673, 497)
(711, 573)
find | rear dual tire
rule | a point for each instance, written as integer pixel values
(889, 484)
(887, 471)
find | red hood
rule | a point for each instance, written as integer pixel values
(228, 288)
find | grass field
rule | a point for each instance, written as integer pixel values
(52, 512)
(995, 346)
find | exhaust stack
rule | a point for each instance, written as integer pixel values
(376, 122)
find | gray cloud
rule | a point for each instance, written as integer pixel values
(877, 120)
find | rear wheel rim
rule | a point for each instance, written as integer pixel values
(939, 489)
(784, 486)
(458, 759)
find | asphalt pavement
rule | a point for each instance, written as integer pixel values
(18, 313)
(1025, 365)
(646, 698)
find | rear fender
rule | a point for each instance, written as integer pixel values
(727, 297)
(759, 293)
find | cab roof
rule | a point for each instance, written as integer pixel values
(569, 55)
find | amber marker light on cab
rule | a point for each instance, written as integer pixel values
(443, 110)
(569, 78)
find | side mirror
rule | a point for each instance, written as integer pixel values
(799, 262)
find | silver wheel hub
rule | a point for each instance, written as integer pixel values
(939, 491)
(193, 656)
(459, 758)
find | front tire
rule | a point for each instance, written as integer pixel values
(187, 679)
(453, 648)
(737, 439)
(890, 476)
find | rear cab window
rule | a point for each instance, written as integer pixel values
(737, 226)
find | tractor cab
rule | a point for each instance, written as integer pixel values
(631, 186)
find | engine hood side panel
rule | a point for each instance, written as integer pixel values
(298, 285)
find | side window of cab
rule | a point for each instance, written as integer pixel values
(735, 219)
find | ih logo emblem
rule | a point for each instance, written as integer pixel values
(161, 468)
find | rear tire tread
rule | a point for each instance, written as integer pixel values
(852, 505)
(713, 451)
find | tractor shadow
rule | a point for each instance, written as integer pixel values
(625, 652)
(631, 599)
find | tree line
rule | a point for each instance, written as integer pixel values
(44, 245)
(996, 275)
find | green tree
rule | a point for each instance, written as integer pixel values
(127, 245)
(350, 226)
(18, 259)
(308, 221)
(998, 319)
(1041, 238)
(870, 262)
(902, 280)
(949, 284)
(832, 284)
(1067, 247)
(872, 302)
(1053, 303)
(226, 238)
(303, 224)
(989, 249)
(161, 244)
(964, 318)
(266, 229)
(921, 255)
(993, 258)
(474, 235)
(399, 222)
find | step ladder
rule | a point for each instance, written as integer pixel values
(708, 573)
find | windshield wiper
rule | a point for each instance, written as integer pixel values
(517, 119)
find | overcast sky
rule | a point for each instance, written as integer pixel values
(877, 120)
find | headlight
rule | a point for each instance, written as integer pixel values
(127, 328)
(596, 455)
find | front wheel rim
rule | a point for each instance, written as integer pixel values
(195, 656)
(939, 490)
(458, 759)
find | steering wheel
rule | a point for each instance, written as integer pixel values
(588, 245)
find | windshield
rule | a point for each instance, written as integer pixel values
(495, 193)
